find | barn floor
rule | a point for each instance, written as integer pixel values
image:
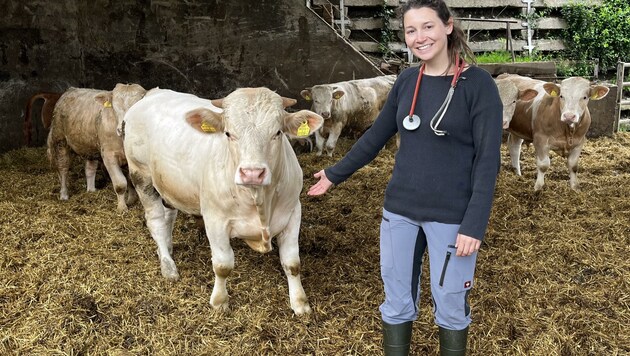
(77, 278)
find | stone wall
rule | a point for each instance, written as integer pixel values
(208, 48)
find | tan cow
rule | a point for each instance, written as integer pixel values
(50, 100)
(509, 93)
(228, 161)
(352, 104)
(84, 123)
(557, 119)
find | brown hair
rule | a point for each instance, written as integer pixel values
(457, 43)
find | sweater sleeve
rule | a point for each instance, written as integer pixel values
(486, 115)
(370, 143)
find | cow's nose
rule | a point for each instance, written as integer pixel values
(254, 176)
(570, 117)
(326, 115)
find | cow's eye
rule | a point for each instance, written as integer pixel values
(228, 134)
(278, 133)
(584, 98)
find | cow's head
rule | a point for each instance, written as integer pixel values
(253, 122)
(119, 100)
(509, 94)
(573, 95)
(323, 98)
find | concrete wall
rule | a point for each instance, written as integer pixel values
(208, 48)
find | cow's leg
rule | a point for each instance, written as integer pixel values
(290, 258)
(319, 142)
(59, 155)
(159, 220)
(335, 132)
(542, 164)
(91, 166)
(514, 147)
(222, 262)
(572, 164)
(119, 181)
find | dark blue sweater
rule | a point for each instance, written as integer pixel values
(447, 179)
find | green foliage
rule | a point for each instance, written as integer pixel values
(387, 34)
(601, 32)
(501, 57)
(571, 68)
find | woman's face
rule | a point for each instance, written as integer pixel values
(426, 34)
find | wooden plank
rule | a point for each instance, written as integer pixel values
(454, 4)
(551, 23)
(530, 69)
(373, 23)
(357, 3)
(486, 46)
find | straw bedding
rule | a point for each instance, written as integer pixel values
(78, 278)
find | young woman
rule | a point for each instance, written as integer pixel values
(448, 114)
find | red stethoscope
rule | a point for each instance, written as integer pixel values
(412, 121)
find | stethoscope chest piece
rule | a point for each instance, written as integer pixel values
(411, 122)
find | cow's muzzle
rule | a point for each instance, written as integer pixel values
(252, 176)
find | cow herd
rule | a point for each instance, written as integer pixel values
(230, 163)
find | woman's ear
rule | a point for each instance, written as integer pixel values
(449, 26)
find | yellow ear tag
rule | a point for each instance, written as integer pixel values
(107, 104)
(303, 130)
(594, 96)
(553, 93)
(206, 127)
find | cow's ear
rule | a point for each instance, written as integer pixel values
(552, 89)
(105, 99)
(527, 94)
(306, 94)
(338, 94)
(598, 92)
(205, 120)
(286, 102)
(217, 102)
(302, 123)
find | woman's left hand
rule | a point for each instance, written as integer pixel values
(466, 245)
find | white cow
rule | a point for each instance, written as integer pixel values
(352, 104)
(225, 160)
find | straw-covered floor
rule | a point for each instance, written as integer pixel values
(77, 278)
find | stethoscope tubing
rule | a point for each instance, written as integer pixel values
(439, 115)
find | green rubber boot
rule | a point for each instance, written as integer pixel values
(453, 342)
(396, 339)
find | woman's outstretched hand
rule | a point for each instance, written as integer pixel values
(321, 186)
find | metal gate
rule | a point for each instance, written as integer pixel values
(621, 103)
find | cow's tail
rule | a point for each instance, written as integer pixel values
(50, 99)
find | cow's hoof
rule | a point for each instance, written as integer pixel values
(221, 305)
(122, 208)
(169, 271)
(303, 309)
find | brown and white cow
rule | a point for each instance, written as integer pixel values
(510, 94)
(84, 123)
(228, 161)
(557, 119)
(352, 104)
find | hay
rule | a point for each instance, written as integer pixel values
(77, 278)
